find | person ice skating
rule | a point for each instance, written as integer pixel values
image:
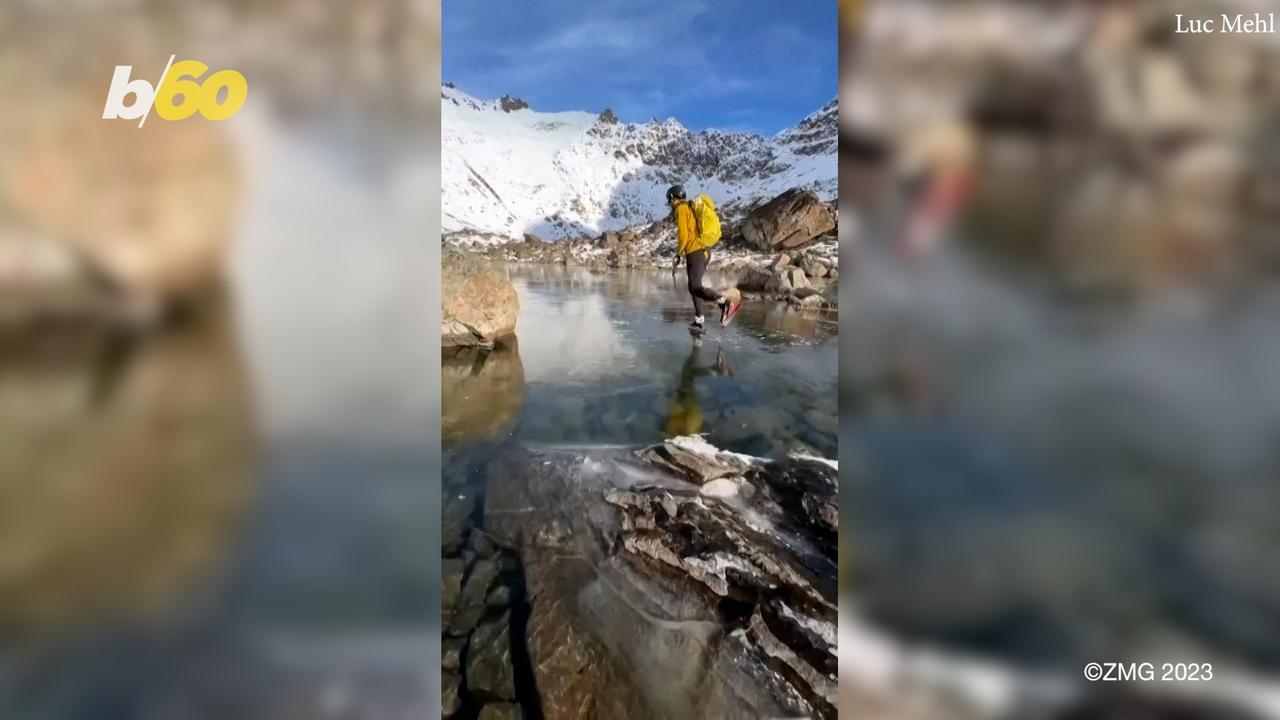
(697, 229)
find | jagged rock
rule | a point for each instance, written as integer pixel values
(475, 588)
(450, 687)
(809, 302)
(793, 219)
(532, 239)
(609, 240)
(489, 667)
(795, 279)
(509, 103)
(451, 588)
(481, 545)
(451, 654)
(813, 267)
(498, 597)
(502, 711)
(695, 458)
(754, 279)
(781, 260)
(608, 117)
(478, 304)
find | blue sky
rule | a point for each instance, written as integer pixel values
(757, 65)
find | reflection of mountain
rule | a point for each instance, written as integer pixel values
(481, 392)
(569, 338)
(122, 479)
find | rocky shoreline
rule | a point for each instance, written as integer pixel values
(677, 580)
(782, 250)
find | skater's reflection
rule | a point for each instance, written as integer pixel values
(684, 414)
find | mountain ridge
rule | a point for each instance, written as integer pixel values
(508, 169)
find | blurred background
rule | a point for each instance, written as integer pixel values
(1058, 390)
(219, 399)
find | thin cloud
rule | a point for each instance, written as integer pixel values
(590, 35)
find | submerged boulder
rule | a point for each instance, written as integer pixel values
(489, 665)
(678, 581)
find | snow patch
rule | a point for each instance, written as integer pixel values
(570, 174)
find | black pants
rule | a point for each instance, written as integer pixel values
(696, 264)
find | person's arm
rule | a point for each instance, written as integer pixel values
(686, 229)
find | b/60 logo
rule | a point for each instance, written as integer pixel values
(178, 95)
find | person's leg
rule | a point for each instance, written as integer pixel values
(696, 264)
(697, 290)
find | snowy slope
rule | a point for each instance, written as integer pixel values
(508, 170)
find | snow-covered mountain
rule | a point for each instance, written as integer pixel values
(508, 169)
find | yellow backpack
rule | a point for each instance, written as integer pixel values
(704, 214)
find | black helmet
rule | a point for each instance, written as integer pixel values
(675, 192)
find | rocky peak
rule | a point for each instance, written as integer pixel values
(608, 117)
(817, 133)
(509, 103)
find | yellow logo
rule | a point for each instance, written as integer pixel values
(178, 95)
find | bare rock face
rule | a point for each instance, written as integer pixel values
(479, 304)
(793, 219)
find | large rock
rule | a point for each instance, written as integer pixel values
(470, 604)
(479, 304)
(695, 459)
(450, 701)
(793, 219)
(101, 218)
(501, 711)
(795, 279)
(814, 267)
(752, 278)
(489, 666)
(654, 596)
(609, 240)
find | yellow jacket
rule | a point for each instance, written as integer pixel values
(687, 239)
